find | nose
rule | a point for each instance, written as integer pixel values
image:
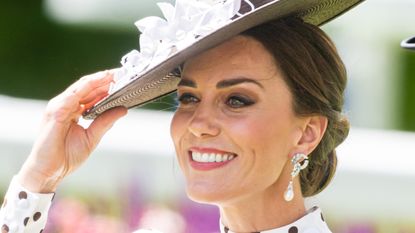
(204, 122)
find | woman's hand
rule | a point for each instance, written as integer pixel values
(63, 145)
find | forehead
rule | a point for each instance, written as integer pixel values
(237, 56)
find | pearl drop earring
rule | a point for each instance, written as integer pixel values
(299, 162)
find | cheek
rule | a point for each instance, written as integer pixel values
(178, 126)
(178, 129)
(264, 134)
(262, 141)
(174, 128)
(265, 139)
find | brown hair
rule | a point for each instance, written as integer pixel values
(316, 77)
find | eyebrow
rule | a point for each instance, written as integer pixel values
(236, 81)
(187, 82)
(221, 84)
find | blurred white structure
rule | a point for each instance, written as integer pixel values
(375, 178)
(107, 13)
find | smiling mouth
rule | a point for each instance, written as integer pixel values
(204, 157)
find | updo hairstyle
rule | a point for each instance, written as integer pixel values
(316, 76)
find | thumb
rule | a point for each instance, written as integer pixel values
(103, 123)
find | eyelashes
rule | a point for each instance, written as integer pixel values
(187, 98)
(234, 101)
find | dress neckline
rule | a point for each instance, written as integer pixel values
(312, 222)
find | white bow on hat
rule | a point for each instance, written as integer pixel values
(184, 23)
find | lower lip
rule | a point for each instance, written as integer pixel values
(207, 166)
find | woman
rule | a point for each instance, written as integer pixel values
(255, 131)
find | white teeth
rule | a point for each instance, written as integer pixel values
(211, 157)
(218, 158)
(198, 156)
(205, 158)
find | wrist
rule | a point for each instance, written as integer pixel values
(37, 182)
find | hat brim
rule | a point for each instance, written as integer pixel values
(160, 80)
(408, 43)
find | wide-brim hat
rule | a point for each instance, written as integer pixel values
(408, 43)
(141, 80)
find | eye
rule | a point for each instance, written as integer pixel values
(239, 101)
(187, 98)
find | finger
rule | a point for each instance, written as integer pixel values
(98, 92)
(83, 87)
(96, 88)
(68, 107)
(63, 109)
(97, 75)
(94, 101)
(103, 123)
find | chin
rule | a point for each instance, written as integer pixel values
(205, 195)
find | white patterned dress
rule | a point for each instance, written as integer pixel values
(26, 212)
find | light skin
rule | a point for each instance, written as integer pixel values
(62, 145)
(232, 99)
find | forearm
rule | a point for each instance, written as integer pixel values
(24, 211)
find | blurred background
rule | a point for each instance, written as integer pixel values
(133, 181)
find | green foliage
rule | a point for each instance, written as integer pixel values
(407, 114)
(39, 58)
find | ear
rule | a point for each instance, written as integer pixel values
(313, 129)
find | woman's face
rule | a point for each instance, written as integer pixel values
(235, 128)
